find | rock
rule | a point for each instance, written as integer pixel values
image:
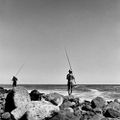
(69, 109)
(87, 108)
(65, 115)
(17, 97)
(110, 119)
(77, 111)
(114, 105)
(38, 110)
(1, 111)
(66, 104)
(98, 102)
(19, 112)
(35, 110)
(6, 116)
(35, 95)
(75, 101)
(87, 115)
(55, 98)
(97, 117)
(69, 98)
(117, 100)
(98, 110)
(2, 90)
(112, 113)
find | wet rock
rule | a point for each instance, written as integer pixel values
(35, 95)
(112, 113)
(55, 98)
(17, 97)
(98, 102)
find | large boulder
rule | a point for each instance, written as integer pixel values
(54, 98)
(19, 112)
(35, 95)
(112, 113)
(16, 98)
(38, 110)
(35, 110)
(98, 102)
(113, 105)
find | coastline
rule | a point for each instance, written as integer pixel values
(63, 106)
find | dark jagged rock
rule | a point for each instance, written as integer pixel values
(86, 105)
(98, 102)
(17, 97)
(87, 108)
(112, 113)
(3, 91)
(35, 95)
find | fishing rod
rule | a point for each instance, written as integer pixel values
(19, 69)
(69, 61)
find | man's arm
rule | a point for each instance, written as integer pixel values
(74, 79)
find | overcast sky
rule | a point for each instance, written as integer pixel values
(34, 33)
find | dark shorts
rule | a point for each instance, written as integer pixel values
(70, 85)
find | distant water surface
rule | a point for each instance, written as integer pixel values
(84, 91)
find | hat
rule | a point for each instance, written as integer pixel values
(70, 71)
(14, 78)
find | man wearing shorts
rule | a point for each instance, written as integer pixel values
(70, 79)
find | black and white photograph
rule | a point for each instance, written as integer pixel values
(59, 60)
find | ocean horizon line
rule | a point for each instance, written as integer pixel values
(63, 84)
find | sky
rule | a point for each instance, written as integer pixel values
(35, 32)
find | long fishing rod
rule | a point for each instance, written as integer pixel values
(68, 61)
(19, 69)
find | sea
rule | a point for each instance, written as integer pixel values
(83, 91)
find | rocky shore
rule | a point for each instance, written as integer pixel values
(18, 104)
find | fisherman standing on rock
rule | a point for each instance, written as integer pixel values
(14, 79)
(71, 80)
